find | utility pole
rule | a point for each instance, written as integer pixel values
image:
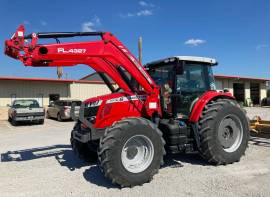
(140, 49)
(59, 72)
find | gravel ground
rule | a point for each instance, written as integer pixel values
(37, 161)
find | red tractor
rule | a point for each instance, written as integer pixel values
(170, 104)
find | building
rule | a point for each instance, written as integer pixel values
(245, 89)
(46, 90)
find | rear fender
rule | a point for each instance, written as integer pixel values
(203, 100)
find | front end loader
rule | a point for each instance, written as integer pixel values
(169, 105)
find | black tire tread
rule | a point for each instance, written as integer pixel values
(209, 113)
(109, 140)
(81, 149)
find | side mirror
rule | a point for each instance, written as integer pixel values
(8, 105)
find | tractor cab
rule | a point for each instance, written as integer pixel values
(182, 80)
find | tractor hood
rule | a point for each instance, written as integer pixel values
(102, 111)
(96, 101)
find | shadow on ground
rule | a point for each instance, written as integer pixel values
(258, 141)
(66, 158)
(62, 153)
(95, 176)
(34, 123)
(21, 123)
(63, 120)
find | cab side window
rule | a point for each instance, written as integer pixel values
(163, 77)
(192, 79)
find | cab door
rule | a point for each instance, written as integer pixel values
(190, 84)
(164, 77)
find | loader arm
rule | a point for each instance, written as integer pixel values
(107, 55)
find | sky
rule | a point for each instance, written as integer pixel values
(235, 32)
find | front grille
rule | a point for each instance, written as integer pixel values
(31, 114)
(90, 111)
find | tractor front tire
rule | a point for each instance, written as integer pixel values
(83, 150)
(223, 132)
(131, 152)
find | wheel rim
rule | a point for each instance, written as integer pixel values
(137, 154)
(230, 133)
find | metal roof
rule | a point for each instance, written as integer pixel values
(95, 77)
(197, 59)
(186, 58)
(49, 80)
(220, 76)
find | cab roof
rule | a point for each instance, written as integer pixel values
(207, 60)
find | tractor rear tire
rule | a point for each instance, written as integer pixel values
(223, 132)
(82, 150)
(131, 152)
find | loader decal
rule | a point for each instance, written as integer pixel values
(127, 98)
(62, 50)
(140, 68)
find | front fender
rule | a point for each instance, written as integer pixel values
(203, 100)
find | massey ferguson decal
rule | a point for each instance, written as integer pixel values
(127, 98)
(62, 50)
(136, 63)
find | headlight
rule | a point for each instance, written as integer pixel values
(94, 103)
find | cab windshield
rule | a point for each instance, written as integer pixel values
(195, 78)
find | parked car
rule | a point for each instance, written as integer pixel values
(61, 109)
(26, 110)
(265, 101)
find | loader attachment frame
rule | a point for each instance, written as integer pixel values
(107, 55)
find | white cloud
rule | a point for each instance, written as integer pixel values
(128, 15)
(145, 12)
(145, 4)
(194, 42)
(96, 20)
(261, 46)
(43, 23)
(90, 25)
(26, 22)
